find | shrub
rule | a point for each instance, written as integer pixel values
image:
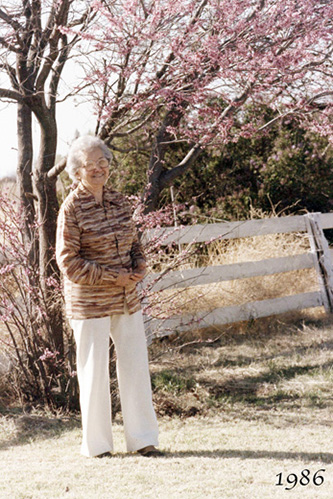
(39, 373)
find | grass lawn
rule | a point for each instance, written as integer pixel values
(249, 412)
(205, 457)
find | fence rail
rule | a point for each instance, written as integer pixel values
(232, 230)
(320, 257)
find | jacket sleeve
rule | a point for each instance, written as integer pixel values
(71, 264)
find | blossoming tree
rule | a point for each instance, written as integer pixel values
(172, 71)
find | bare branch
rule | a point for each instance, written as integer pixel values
(51, 35)
(73, 92)
(9, 20)
(144, 8)
(10, 94)
(82, 20)
(47, 66)
(127, 150)
(57, 169)
(11, 73)
(106, 89)
(63, 53)
(319, 96)
(310, 101)
(136, 128)
(274, 120)
(169, 176)
(61, 61)
(106, 131)
(314, 64)
(9, 46)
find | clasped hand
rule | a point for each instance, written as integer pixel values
(126, 277)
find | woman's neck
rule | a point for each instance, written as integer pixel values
(97, 190)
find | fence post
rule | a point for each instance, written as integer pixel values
(322, 260)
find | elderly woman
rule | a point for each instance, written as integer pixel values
(101, 258)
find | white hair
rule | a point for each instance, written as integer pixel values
(77, 151)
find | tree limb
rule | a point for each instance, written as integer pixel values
(9, 20)
(11, 73)
(51, 36)
(10, 94)
(144, 8)
(310, 101)
(128, 150)
(325, 93)
(171, 56)
(105, 133)
(57, 169)
(9, 46)
(136, 128)
(61, 61)
(169, 176)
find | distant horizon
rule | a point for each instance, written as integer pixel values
(11, 176)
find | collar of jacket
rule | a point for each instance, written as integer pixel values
(109, 195)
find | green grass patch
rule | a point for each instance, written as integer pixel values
(170, 381)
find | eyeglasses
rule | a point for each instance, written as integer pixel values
(89, 166)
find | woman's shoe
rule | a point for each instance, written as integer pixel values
(105, 454)
(150, 451)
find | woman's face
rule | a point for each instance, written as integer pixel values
(94, 171)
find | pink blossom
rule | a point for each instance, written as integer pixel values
(6, 269)
(48, 355)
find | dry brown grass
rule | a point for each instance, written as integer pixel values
(222, 294)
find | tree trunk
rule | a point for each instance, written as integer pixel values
(151, 194)
(157, 176)
(47, 199)
(24, 178)
(47, 216)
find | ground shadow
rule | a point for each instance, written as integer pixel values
(323, 457)
(243, 360)
(32, 427)
(247, 385)
(27, 427)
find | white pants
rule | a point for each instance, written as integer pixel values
(92, 338)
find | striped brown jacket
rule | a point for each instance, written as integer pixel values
(94, 241)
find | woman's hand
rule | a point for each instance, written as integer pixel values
(139, 271)
(124, 278)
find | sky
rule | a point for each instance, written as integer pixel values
(71, 118)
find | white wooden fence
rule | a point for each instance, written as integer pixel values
(319, 258)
